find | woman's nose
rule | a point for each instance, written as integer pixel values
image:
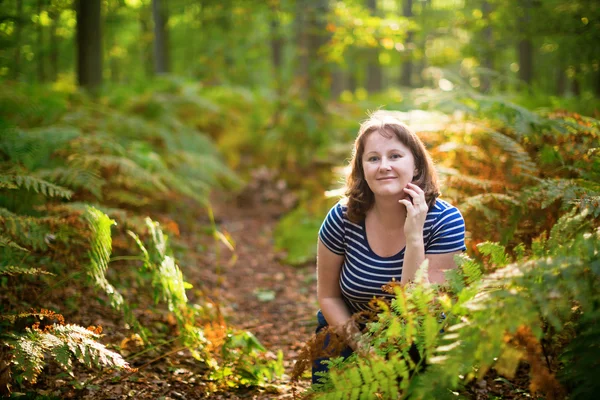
(385, 165)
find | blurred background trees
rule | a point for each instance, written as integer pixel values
(325, 47)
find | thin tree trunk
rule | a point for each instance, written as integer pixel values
(561, 80)
(18, 31)
(338, 84)
(161, 41)
(276, 44)
(53, 45)
(488, 58)
(575, 85)
(89, 44)
(597, 85)
(525, 48)
(301, 70)
(40, 44)
(146, 45)
(407, 64)
(318, 65)
(374, 73)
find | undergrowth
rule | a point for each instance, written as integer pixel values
(527, 294)
(76, 184)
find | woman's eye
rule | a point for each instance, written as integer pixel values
(396, 156)
(373, 159)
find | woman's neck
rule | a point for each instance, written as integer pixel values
(389, 212)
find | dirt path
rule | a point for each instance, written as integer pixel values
(259, 293)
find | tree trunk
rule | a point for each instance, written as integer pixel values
(53, 14)
(276, 44)
(407, 64)
(161, 39)
(41, 68)
(146, 44)
(597, 85)
(338, 84)
(301, 70)
(488, 58)
(561, 80)
(18, 30)
(89, 44)
(575, 85)
(319, 74)
(526, 45)
(374, 73)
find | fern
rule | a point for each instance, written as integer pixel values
(34, 148)
(8, 242)
(75, 178)
(493, 320)
(99, 254)
(25, 231)
(497, 253)
(480, 203)
(125, 166)
(37, 185)
(517, 153)
(66, 343)
(18, 270)
(169, 286)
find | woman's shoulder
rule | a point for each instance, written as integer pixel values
(442, 205)
(442, 208)
(339, 210)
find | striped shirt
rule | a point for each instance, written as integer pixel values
(364, 272)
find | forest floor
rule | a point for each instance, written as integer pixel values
(254, 290)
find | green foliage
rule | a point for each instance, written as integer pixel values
(19, 270)
(491, 321)
(99, 254)
(296, 233)
(113, 163)
(35, 184)
(243, 362)
(65, 344)
(169, 287)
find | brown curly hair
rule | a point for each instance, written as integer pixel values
(359, 197)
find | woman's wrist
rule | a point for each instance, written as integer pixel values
(414, 239)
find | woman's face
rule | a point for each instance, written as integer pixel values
(388, 165)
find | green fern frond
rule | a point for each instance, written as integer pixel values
(8, 242)
(65, 343)
(471, 270)
(74, 177)
(516, 151)
(480, 203)
(569, 191)
(99, 253)
(125, 166)
(568, 226)
(37, 185)
(496, 252)
(34, 148)
(27, 231)
(168, 282)
(17, 270)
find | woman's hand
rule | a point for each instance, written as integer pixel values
(416, 212)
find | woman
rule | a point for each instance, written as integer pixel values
(388, 224)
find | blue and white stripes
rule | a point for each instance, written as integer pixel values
(363, 271)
